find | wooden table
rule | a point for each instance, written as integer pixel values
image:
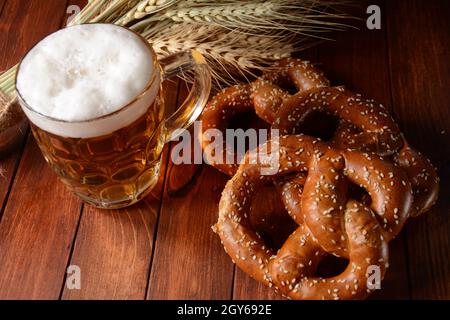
(163, 248)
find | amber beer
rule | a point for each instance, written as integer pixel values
(117, 168)
(93, 96)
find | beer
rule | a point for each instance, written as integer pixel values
(93, 96)
(116, 169)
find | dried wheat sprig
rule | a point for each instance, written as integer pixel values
(255, 16)
(92, 9)
(243, 57)
(10, 112)
(7, 81)
(144, 8)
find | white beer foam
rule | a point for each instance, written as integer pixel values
(85, 72)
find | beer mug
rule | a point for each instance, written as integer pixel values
(94, 99)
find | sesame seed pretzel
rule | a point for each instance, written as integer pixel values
(292, 269)
(325, 196)
(421, 172)
(295, 265)
(423, 177)
(285, 73)
(218, 112)
(365, 126)
(256, 96)
(377, 130)
(317, 181)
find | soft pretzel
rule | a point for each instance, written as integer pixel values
(217, 114)
(287, 73)
(377, 130)
(256, 96)
(320, 184)
(291, 270)
(325, 196)
(423, 177)
(242, 243)
(421, 172)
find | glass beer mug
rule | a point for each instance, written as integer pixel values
(94, 99)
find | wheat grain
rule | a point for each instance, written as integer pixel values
(228, 54)
(10, 112)
(255, 16)
(144, 8)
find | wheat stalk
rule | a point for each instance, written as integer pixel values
(236, 36)
(268, 17)
(251, 16)
(144, 8)
(243, 57)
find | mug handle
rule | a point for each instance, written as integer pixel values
(193, 106)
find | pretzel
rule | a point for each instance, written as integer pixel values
(256, 96)
(365, 126)
(284, 74)
(317, 181)
(423, 177)
(377, 130)
(421, 172)
(325, 196)
(291, 270)
(216, 115)
(295, 264)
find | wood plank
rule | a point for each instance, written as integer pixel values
(12, 46)
(40, 217)
(8, 167)
(36, 17)
(114, 248)
(36, 231)
(419, 47)
(189, 261)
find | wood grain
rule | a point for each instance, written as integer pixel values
(40, 216)
(189, 262)
(36, 231)
(8, 167)
(114, 248)
(12, 46)
(419, 50)
(163, 248)
(2, 5)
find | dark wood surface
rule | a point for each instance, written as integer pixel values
(163, 247)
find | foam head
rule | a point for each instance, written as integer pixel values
(85, 72)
